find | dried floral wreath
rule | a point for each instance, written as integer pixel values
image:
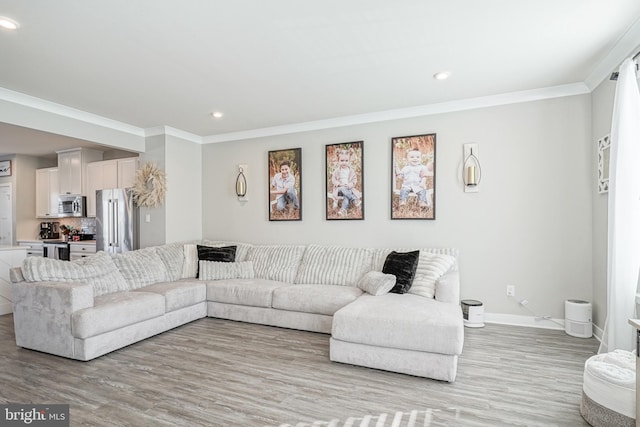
(150, 186)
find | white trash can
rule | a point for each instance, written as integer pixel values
(472, 313)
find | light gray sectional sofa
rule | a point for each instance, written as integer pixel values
(87, 308)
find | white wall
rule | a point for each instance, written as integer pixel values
(602, 110)
(23, 183)
(154, 232)
(179, 218)
(530, 224)
(184, 191)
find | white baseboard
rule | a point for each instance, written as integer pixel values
(528, 321)
(533, 322)
(597, 333)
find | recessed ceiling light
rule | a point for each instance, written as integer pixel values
(217, 114)
(442, 75)
(8, 23)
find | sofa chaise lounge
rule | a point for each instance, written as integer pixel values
(90, 307)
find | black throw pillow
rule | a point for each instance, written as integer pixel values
(220, 254)
(402, 265)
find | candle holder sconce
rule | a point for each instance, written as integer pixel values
(471, 171)
(241, 183)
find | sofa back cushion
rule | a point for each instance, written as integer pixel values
(276, 262)
(334, 265)
(172, 256)
(141, 267)
(99, 271)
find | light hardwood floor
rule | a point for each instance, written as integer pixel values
(215, 372)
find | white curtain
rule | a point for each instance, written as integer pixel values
(623, 264)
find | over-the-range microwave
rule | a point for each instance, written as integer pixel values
(72, 206)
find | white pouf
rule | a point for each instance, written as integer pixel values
(609, 389)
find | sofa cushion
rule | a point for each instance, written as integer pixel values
(316, 299)
(431, 267)
(242, 249)
(376, 282)
(180, 294)
(220, 254)
(252, 292)
(402, 265)
(403, 321)
(99, 271)
(141, 267)
(114, 311)
(190, 266)
(172, 256)
(276, 262)
(214, 270)
(333, 265)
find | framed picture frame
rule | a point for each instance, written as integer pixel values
(344, 181)
(413, 177)
(604, 153)
(285, 184)
(5, 168)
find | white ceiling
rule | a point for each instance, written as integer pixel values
(279, 63)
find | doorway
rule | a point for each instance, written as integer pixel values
(6, 215)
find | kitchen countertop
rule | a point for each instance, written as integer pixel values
(83, 242)
(79, 242)
(12, 248)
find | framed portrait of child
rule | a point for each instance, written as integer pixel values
(285, 185)
(344, 181)
(413, 177)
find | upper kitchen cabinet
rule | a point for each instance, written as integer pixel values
(127, 172)
(120, 173)
(47, 193)
(72, 166)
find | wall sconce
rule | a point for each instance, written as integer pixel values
(241, 183)
(471, 171)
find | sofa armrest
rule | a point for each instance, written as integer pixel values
(42, 314)
(448, 287)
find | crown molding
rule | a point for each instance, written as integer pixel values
(358, 119)
(168, 130)
(68, 112)
(625, 47)
(404, 113)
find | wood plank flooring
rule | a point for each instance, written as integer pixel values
(215, 372)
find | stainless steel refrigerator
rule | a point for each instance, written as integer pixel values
(116, 221)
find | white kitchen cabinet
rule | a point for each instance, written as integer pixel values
(33, 248)
(100, 175)
(118, 173)
(81, 250)
(72, 166)
(127, 172)
(47, 193)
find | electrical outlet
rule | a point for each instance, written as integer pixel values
(511, 291)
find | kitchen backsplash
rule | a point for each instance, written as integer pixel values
(78, 223)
